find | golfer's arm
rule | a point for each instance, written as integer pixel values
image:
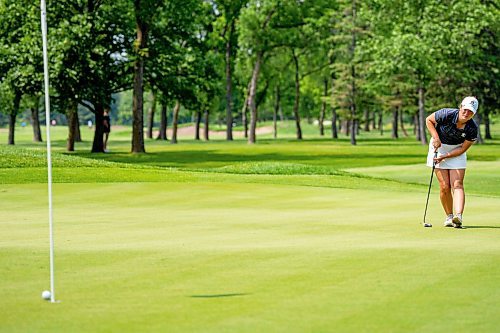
(430, 122)
(460, 150)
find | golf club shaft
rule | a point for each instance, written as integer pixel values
(430, 184)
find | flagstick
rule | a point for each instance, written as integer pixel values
(49, 158)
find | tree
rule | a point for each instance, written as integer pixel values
(88, 52)
(229, 12)
(176, 60)
(432, 45)
(255, 38)
(346, 36)
(21, 70)
(145, 11)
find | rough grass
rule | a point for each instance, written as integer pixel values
(282, 236)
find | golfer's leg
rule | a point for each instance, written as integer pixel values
(443, 177)
(457, 183)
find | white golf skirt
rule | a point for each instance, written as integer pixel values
(458, 162)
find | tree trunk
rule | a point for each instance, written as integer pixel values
(229, 88)
(395, 117)
(353, 75)
(487, 132)
(335, 134)
(12, 118)
(381, 122)
(276, 110)
(366, 115)
(12, 128)
(421, 115)
(353, 107)
(175, 119)
(252, 95)
(205, 128)
(197, 128)
(297, 96)
(405, 133)
(137, 124)
(78, 133)
(244, 109)
(373, 121)
(478, 119)
(98, 144)
(151, 116)
(72, 117)
(35, 122)
(162, 134)
(138, 103)
(323, 109)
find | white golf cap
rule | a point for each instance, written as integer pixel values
(470, 103)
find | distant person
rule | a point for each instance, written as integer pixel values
(453, 132)
(107, 129)
(89, 124)
(53, 122)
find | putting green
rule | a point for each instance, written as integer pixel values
(204, 256)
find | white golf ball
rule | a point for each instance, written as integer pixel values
(46, 295)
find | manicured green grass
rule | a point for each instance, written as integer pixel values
(282, 236)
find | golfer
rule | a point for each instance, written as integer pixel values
(107, 129)
(453, 132)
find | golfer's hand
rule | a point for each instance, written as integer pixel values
(436, 143)
(440, 158)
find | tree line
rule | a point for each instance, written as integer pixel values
(350, 61)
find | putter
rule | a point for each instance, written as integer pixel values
(428, 225)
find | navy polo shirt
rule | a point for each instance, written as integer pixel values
(448, 132)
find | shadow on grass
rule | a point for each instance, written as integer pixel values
(218, 295)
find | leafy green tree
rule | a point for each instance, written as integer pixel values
(88, 53)
(176, 58)
(256, 40)
(225, 27)
(431, 44)
(347, 33)
(21, 71)
(473, 63)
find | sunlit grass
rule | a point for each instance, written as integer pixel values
(281, 236)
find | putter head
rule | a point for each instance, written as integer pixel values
(427, 225)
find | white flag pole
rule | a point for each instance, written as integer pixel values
(49, 159)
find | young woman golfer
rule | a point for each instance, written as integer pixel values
(453, 132)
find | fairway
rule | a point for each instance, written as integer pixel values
(305, 237)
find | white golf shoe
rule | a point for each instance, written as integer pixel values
(449, 221)
(457, 221)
